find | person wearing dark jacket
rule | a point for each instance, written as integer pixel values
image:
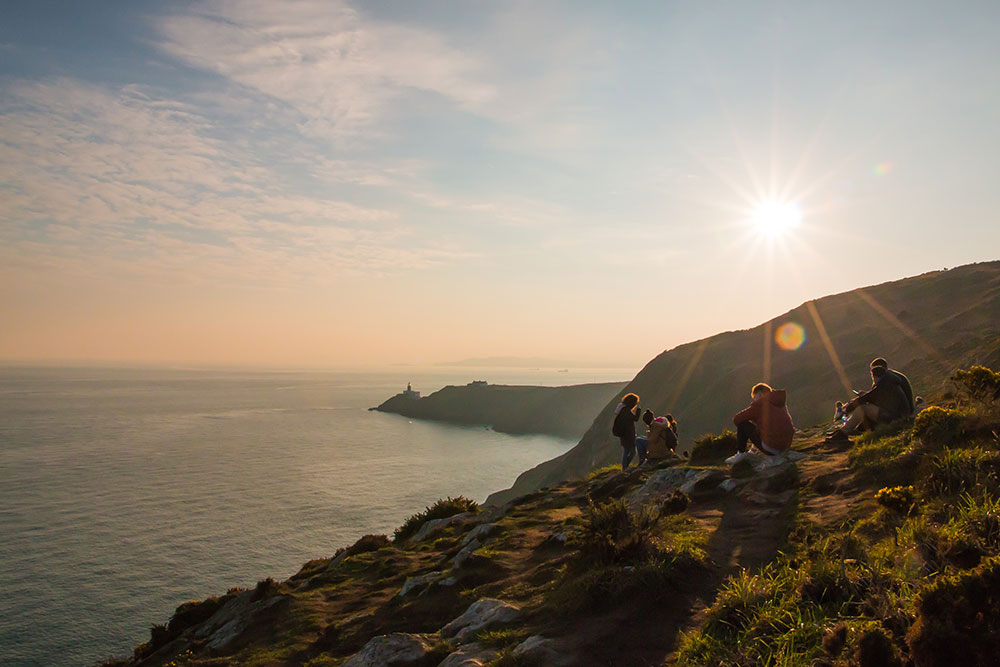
(626, 415)
(898, 379)
(883, 403)
(766, 423)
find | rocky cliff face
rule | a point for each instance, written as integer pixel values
(925, 326)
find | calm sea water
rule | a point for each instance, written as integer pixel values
(126, 492)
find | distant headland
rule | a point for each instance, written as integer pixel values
(565, 412)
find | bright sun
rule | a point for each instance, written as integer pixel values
(774, 218)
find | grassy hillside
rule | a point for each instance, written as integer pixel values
(881, 552)
(561, 411)
(924, 326)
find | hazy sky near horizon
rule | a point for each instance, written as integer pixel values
(329, 184)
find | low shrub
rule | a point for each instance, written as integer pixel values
(713, 449)
(874, 648)
(939, 427)
(957, 622)
(899, 499)
(442, 509)
(675, 503)
(263, 589)
(610, 533)
(368, 543)
(978, 383)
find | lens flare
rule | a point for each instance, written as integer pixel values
(790, 336)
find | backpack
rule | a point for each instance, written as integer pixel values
(615, 426)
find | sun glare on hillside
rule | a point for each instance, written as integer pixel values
(774, 218)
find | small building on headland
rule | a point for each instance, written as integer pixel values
(478, 383)
(409, 393)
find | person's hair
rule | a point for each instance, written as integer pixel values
(879, 361)
(878, 372)
(647, 417)
(670, 418)
(630, 400)
(760, 386)
(840, 404)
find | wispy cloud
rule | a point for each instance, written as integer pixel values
(131, 177)
(340, 73)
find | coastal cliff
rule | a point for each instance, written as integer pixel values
(841, 554)
(564, 412)
(924, 326)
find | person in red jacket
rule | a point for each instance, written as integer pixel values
(765, 422)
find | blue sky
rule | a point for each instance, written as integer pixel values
(325, 183)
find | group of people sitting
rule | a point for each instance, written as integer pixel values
(660, 440)
(766, 422)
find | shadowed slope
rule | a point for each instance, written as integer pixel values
(924, 326)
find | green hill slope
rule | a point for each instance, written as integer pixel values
(924, 326)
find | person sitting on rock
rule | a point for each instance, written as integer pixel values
(660, 440)
(885, 402)
(766, 423)
(626, 415)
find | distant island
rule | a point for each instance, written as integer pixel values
(565, 412)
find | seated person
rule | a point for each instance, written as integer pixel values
(766, 423)
(885, 402)
(898, 379)
(660, 440)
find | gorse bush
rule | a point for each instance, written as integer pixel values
(978, 383)
(366, 544)
(899, 499)
(939, 427)
(442, 509)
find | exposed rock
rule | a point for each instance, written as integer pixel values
(539, 650)
(466, 553)
(396, 649)
(792, 455)
(481, 614)
(421, 582)
(470, 655)
(434, 525)
(704, 481)
(760, 498)
(234, 619)
(448, 581)
(479, 532)
(659, 484)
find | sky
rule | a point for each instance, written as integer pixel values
(327, 184)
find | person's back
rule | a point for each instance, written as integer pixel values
(903, 383)
(662, 440)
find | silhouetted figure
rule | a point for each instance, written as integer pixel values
(885, 402)
(766, 423)
(626, 415)
(898, 379)
(660, 440)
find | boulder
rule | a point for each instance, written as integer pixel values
(481, 614)
(470, 655)
(396, 649)
(234, 619)
(434, 525)
(540, 651)
(420, 582)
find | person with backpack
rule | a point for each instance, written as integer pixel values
(626, 415)
(660, 440)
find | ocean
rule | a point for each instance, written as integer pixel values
(125, 492)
